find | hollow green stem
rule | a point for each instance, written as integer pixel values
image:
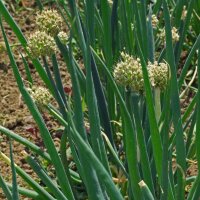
(157, 104)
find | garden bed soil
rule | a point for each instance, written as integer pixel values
(13, 112)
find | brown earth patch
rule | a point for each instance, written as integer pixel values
(14, 114)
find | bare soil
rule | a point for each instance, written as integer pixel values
(13, 112)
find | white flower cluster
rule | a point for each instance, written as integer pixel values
(63, 37)
(41, 43)
(175, 35)
(41, 96)
(128, 73)
(154, 21)
(49, 21)
(159, 74)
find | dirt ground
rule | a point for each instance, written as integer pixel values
(13, 112)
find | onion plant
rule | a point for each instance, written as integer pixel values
(139, 144)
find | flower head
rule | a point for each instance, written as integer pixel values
(154, 21)
(159, 74)
(175, 35)
(41, 44)
(49, 21)
(63, 37)
(41, 96)
(128, 73)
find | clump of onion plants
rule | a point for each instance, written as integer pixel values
(139, 142)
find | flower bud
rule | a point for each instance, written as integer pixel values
(63, 37)
(49, 21)
(184, 13)
(41, 44)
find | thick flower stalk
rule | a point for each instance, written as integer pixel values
(49, 21)
(159, 74)
(41, 96)
(128, 73)
(41, 44)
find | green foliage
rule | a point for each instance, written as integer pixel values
(139, 143)
(196, 17)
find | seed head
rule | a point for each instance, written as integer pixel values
(41, 96)
(63, 37)
(49, 21)
(41, 44)
(128, 73)
(159, 74)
